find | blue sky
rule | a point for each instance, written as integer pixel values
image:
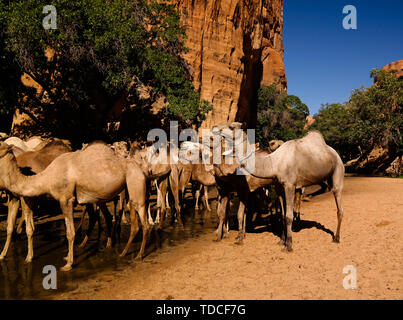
(323, 61)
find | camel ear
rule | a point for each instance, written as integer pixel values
(4, 149)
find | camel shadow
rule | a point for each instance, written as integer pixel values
(274, 224)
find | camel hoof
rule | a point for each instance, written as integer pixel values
(238, 241)
(287, 248)
(281, 243)
(67, 267)
(336, 240)
(109, 243)
(216, 240)
(138, 258)
(2, 257)
(28, 260)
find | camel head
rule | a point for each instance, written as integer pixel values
(5, 149)
(275, 144)
(140, 156)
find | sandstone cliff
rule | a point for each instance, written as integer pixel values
(397, 65)
(234, 47)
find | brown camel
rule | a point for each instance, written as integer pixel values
(197, 173)
(228, 181)
(30, 162)
(166, 175)
(300, 163)
(93, 175)
(120, 202)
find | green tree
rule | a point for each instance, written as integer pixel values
(372, 117)
(280, 115)
(101, 49)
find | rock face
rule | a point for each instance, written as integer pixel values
(381, 159)
(398, 66)
(234, 47)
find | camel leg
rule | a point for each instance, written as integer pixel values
(339, 204)
(93, 218)
(108, 219)
(115, 209)
(222, 212)
(298, 199)
(67, 208)
(20, 222)
(159, 201)
(163, 185)
(241, 229)
(150, 218)
(289, 214)
(197, 196)
(134, 228)
(145, 226)
(206, 198)
(26, 206)
(80, 225)
(281, 204)
(123, 205)
(174, 184)
(13, 206)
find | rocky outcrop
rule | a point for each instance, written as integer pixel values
(234, 47)
(397, 66)
(381, 159)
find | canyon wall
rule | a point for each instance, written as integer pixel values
(234, 47)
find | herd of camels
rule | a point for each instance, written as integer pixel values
(99, 173)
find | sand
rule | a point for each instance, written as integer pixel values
(371, 242)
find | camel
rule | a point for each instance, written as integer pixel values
(33, 142)
(166, 175)
(120, 202)
(30, 162)
(228, 182)
(92, 175)
(198, 173)
(300, 163)
(15, 141)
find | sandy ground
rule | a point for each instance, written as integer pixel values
(371, 241)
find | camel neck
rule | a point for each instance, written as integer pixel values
(18, 183)
(264, 166)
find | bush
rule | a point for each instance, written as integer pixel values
(280, 116)
(102, 49)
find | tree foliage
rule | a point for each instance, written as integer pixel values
(101, 49)
(372, 117)
(280, 115)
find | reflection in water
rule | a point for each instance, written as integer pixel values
(19, 280)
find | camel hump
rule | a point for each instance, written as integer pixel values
(98, 146)
(314, 135)
(56, 143)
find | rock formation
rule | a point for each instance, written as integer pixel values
(234, 47)
(398, 66)
(381, 159)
